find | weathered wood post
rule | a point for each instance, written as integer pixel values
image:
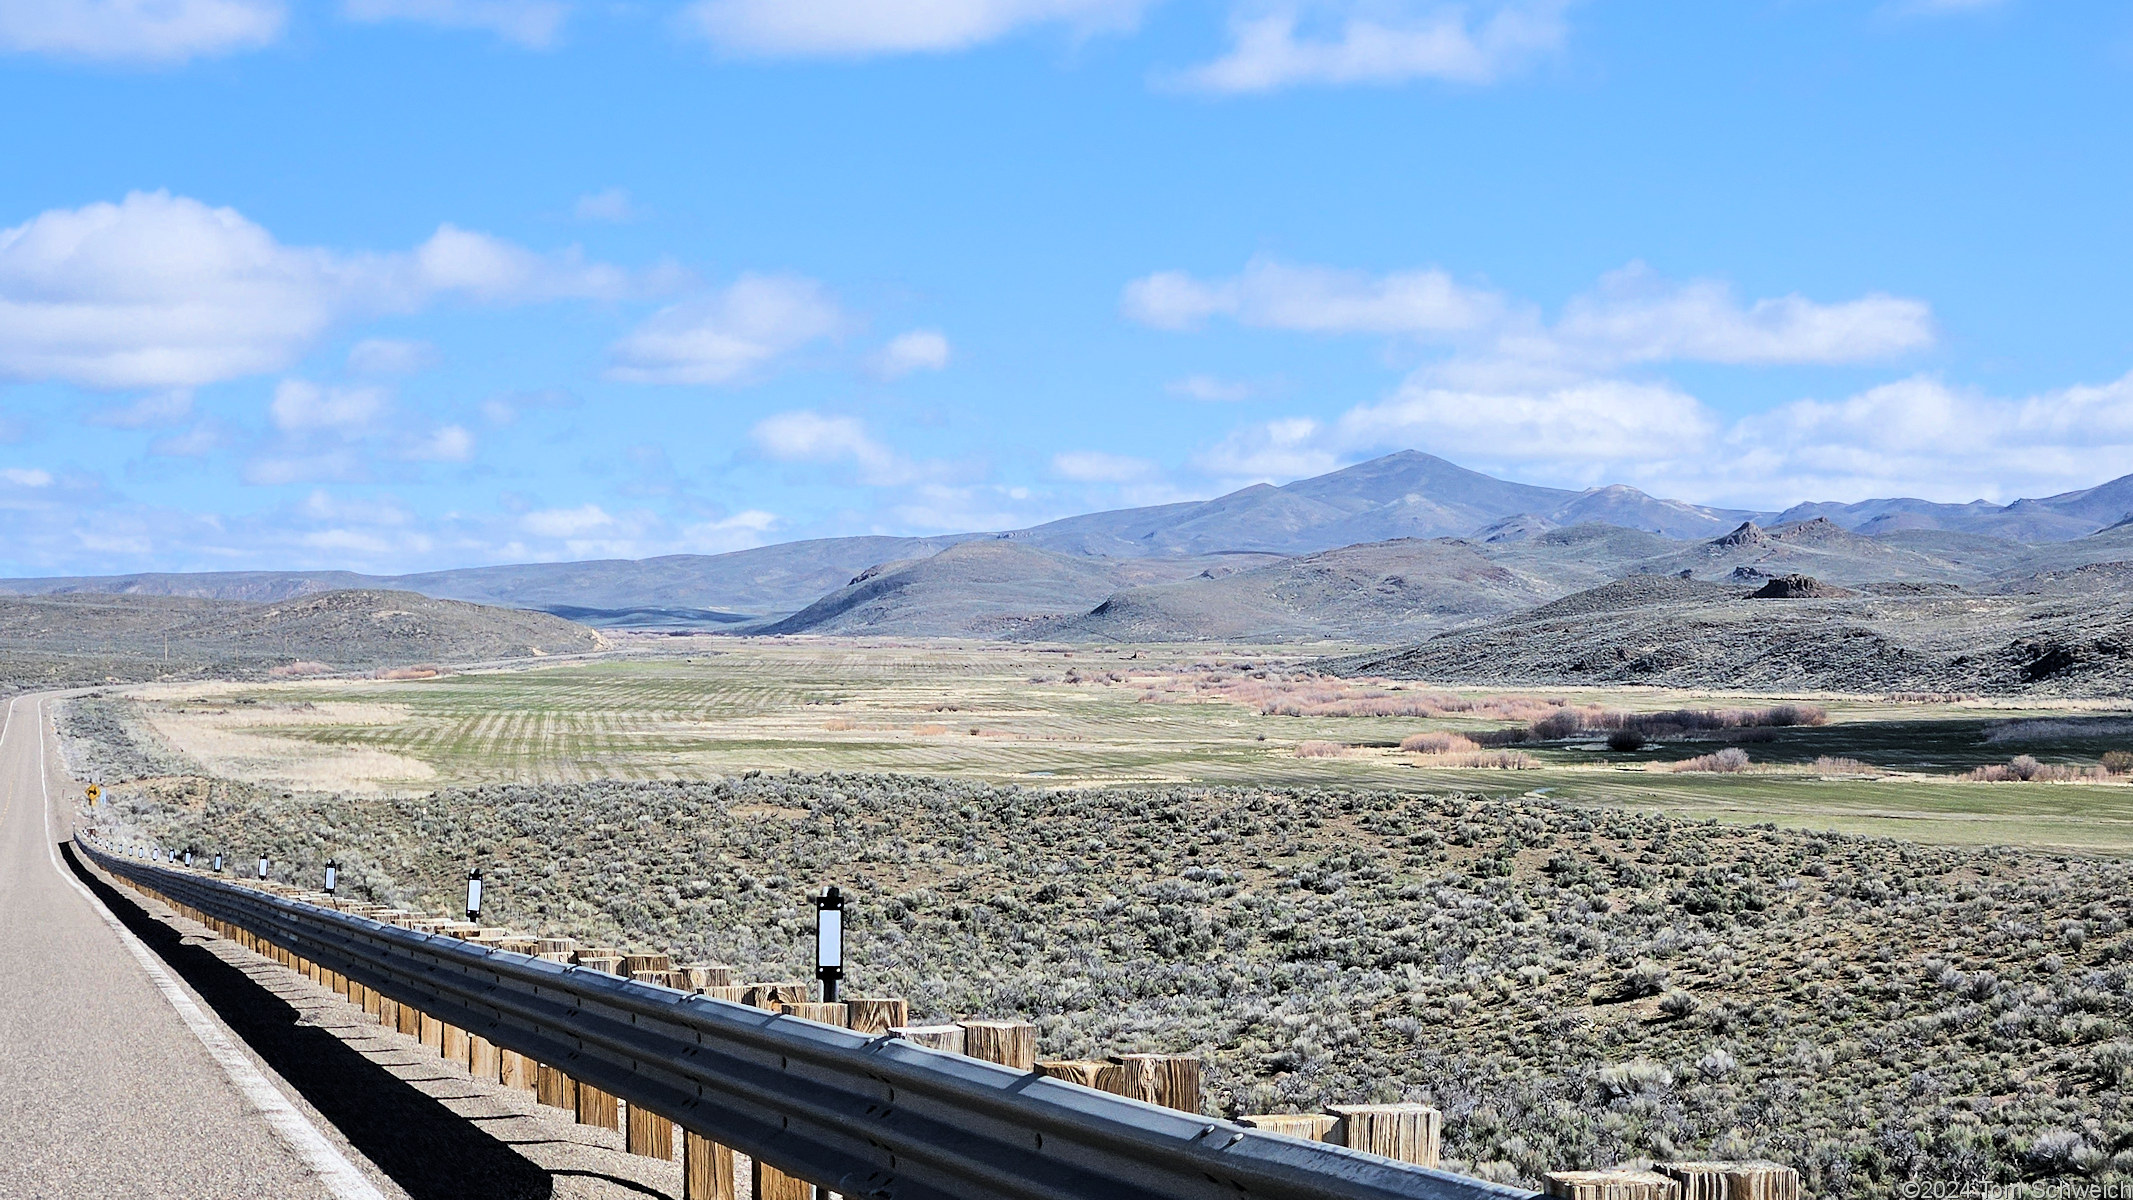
(1311, 1127)
(649, 1134)
(1615, 1183)
(706, 1169)
(933, 1037)
(554, 1088)
(1756, 1180)
(1171, 1080)
(828, 1014)
(1409, 1132)
(877, 1014)
(1009, 1043)
(773, 1184)
(482, 1059)
(515, 1070)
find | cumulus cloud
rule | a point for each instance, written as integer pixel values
(567, 522)
(859, 28)
(806, 436)
(1211, 389)
(390, 356)
(530, 23)
(144, 31)
(202, 439)
(1274, 295)
(1348, 43)
(448, 443)
(1284, 449)
(300, 406)
(164, 291)
(161, 408)
(1632, 315)
(727, 337)
(1606, 420)
(1095, 466)
(611, 205)
(918, 350)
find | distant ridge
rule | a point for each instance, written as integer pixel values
(1569, 538)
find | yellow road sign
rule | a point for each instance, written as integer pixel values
(95, 791)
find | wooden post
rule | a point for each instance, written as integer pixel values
(482, 1058)
(555, 1089)
(1009, 1043)
(596, 1107)
(515, 1070)
(410, 1022)
(773, 1184)
(706, 1169)
(1409, 1132)
(430, 1030)
(388, 1012)
(934, 1037)
(649, 1134)
(734, 993)
(828, 1014)
(1311, 1127)
(707, 974)
(633, 963)
(1733, 1180)
(606, 963)
(1171, 1080)
(1615, 1183)
(453, 1043)
(771, 995)
(878, 1014)
(1082, 1071)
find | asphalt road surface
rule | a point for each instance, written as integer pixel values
(115, 1081)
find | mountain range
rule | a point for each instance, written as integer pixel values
(1386, 550)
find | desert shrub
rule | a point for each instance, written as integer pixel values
(1501, 760)
(1829, 765)
(2118, 762)
(1322, 749)
(1679, 1004)
(2054, 729)
(1627, 739)
(1561, 723)
(1437, 742)
(1647, 978)
(1729, 761)
(2024, 768)
(1796, 714)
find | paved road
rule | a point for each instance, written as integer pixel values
(109, 1087)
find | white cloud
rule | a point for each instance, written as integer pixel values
(1593, 420)
(531, 23)
(727, 337)
(1631, 316)
(811, 437)
(1380, 44)
(150, 31)
(737, 532)
(1635, 316)
(858, 28)
(300, 406)
(567, 522)
(27, 477)
(1274, 295)
(390, 356)
(611, 205)
(504, 409)
(164, 291)
(1284, 449)
(449, 443)
(202, 439)
(1211, 389)
(1095, 466)
(322, 505)
(918, 350)
(161, 408)
(342, 464)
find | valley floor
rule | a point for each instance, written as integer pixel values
(695, 707)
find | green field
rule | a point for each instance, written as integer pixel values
(1052, 717)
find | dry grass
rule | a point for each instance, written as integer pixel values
(1438, 742)
(2024, 769)
(1827, 765)
(1323, 750)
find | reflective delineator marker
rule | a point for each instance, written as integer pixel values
(188, 859)
(262, 866)
(218, 864)
(829, 941)
(333, 875)
(474, 894)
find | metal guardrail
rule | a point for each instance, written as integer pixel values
(872, 1116)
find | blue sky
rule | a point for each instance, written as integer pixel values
(400, 284)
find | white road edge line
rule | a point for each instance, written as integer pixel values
(295, 1130)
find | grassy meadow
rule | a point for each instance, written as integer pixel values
(676, 708)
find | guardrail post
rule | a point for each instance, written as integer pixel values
(431, 1031)
(1086, 1072)
(1615, 1183)
(773, 1184)
(706, 1169)
(596, 1107)
(554, 1088)
(1408, 1132)
(649, 1134)
(877, 1014)
(828, 1014)
(452, 1043)
(1733, 1180)
(515, 1070)
(1009, 1043)
(933, 1037)
(1171, 1080)
(482, 1058)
